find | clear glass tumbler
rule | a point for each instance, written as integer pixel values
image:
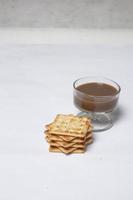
(97, 107)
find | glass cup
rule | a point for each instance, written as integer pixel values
(98, 108)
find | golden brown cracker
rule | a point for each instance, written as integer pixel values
(67, 138)
(72, 144)
(69, 125)
(68, 151)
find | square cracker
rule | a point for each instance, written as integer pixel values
(68, 151)
(69, 125)
(75, 140)
(66, 138)
(72, 144)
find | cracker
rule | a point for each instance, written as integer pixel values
(69, 125)
(69, 134)
(67, 138)
(62, 150)
(72, 144)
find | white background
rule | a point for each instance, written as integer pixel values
(67, 13)
(35, 85)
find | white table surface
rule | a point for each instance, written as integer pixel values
(35, 85)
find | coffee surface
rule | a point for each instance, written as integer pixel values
(97, 89)
(96, 97)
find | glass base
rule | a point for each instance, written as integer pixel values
(100, 121)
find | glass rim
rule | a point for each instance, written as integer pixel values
(102, 77)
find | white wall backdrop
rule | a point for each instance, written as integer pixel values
(67, 13)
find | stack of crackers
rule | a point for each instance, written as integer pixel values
(69, 134)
